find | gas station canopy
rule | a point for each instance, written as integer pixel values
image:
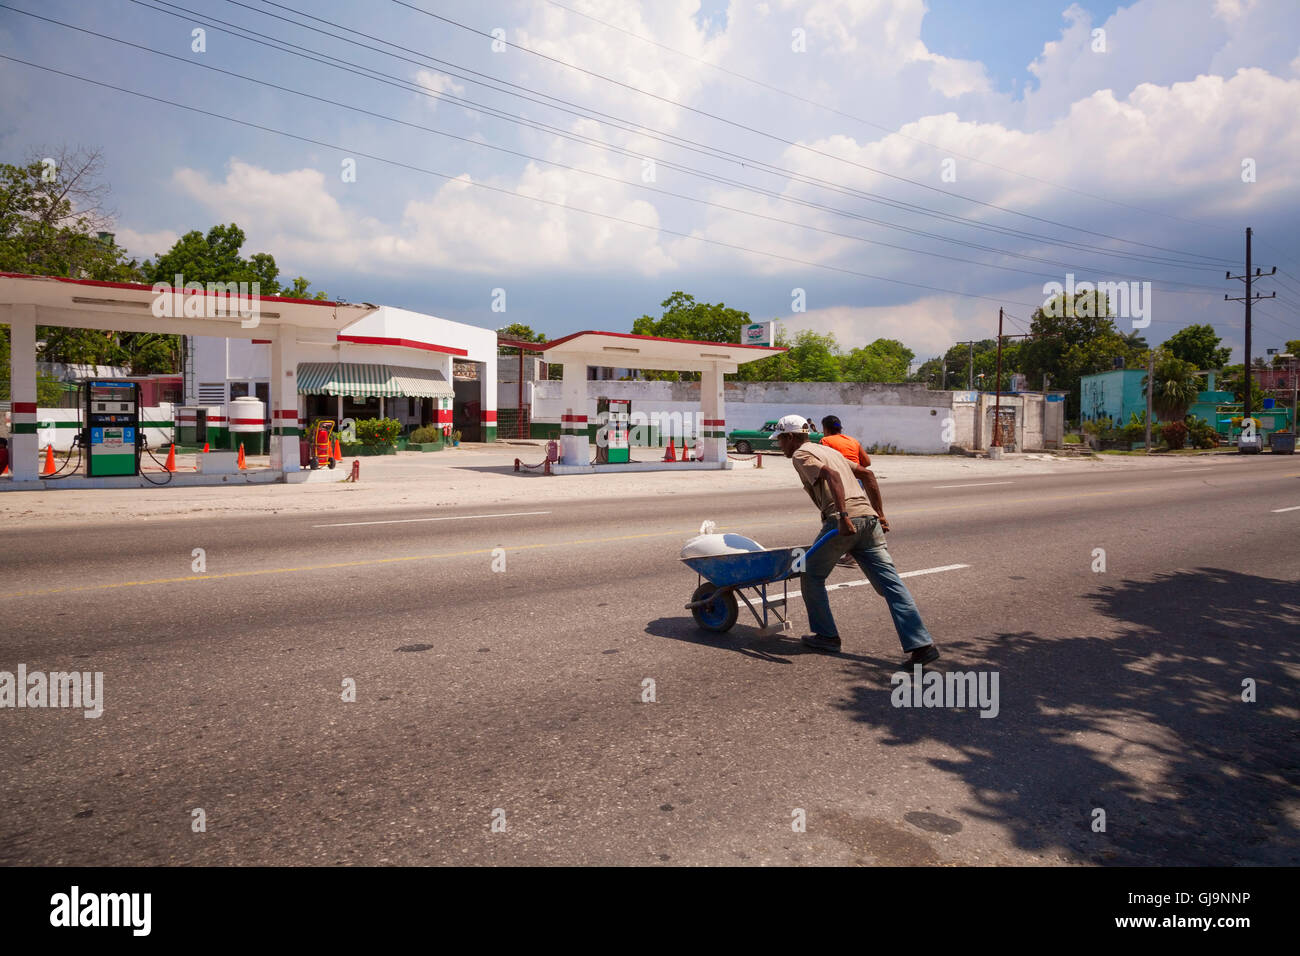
(625, 350)
(712, 360)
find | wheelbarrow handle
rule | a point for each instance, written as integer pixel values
(834, 532)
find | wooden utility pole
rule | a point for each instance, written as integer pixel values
(997, 400)
(1249, 297)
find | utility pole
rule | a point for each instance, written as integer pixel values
(943, 381)
(970, 375)
(997, 401)
(1249, 297)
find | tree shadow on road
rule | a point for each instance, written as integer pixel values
(1147, 724)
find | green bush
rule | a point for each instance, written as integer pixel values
(1134, 431)
(427, 435)
(1073, 440)
(378, 431)
(1100, 428)
(1200, 433)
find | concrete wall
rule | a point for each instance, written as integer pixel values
(910, 417)
(907, 416)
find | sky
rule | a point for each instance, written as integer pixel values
(867, 168)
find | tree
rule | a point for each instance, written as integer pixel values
(1199, 345)
(684, 318)
(53, 219)
(1176, 386)
(1067, 347)
(519, 333)
(49, 392)
(884, 360)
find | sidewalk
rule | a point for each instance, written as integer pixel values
(484, 476)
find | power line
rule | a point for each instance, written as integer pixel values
(772, 136)
(496, 189)
(539, 159)
(514, 118)
(744, 161)
(887, 129)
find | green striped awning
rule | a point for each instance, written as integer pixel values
(367, 381)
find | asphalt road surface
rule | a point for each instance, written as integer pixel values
(521, 695)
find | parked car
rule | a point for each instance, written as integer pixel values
(762, 439)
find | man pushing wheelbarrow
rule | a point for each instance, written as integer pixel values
(832, 484)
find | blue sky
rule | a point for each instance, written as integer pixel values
(796, 146)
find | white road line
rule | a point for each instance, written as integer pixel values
(354, 524)
(982, 484)
(858, 584)
(1278, 511)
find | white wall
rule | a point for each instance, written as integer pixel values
(911, 419)
(61, 437)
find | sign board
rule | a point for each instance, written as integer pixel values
(758, 333)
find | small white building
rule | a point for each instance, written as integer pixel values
(391, 363)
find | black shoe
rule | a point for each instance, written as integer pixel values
(923, 655)
(820, 643)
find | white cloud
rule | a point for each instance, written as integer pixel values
(437, 83)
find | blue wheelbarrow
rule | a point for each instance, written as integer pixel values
(724, 577)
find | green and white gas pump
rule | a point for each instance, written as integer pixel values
(111, 429)
(612, 445)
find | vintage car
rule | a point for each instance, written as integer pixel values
(749, 440)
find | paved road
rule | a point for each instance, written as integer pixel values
(522, 690)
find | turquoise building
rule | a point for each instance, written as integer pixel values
(1120, 394)
(1115, 395)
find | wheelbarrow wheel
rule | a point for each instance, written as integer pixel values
(718, 615)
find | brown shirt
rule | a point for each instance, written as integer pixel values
(808, 461)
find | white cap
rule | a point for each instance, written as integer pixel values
(791, 424)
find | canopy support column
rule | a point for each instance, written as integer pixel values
(22, 392)
(574, 446)
(284, 403)
(713, 432)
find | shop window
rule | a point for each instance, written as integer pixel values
(238, 390)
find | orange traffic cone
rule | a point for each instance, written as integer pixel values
(671, 454)
(205, 448)
(171, 458)
(49, 461)
(686, 452)
(240, 460)
(338, 449)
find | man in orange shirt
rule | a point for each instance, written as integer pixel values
(833, 435)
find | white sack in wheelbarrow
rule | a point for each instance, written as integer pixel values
(707, 545)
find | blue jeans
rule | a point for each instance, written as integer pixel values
(868, 548)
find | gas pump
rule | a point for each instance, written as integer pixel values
(615, 449)
(111, 428)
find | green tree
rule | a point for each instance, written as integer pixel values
(684, 318)
(1067, 347)
(53, 219)
(1199, 345)
(1176, 386)
(519, 333)
(49, 392)
(884, 360)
